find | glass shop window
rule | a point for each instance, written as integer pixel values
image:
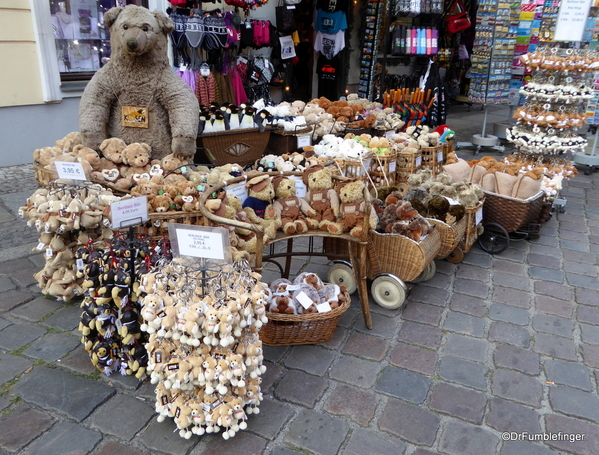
(82, 41)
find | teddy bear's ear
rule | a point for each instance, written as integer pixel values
(111, 15)
(166, 23)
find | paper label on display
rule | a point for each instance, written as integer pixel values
(304, 300)
(304, 141)
(418, 161)
(392, 166)
(293, 287)
(300, 186)
(390, 133)
(571, 20)
(80, 264)
(70, 171)
(129, 212)
(440, 156)
(323, 307)
(40, 246)
(208, 245)
(478, 216)
(238, 189)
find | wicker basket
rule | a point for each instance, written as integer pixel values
(511, 213)
(432, 158)
(294, 329)
(473, 219)
(448, 147)
(282, 141)
(235, 146)
(450, 236)
(383, 169)
(352, 169)
(44, 176)
(407, 164)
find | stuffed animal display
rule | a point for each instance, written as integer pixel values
(137, 96)
(204, 353)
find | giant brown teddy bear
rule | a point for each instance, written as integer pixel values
(139, 74)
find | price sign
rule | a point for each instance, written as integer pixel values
(200, 244)
(392, 166)
(389, 133)
(418, 161)
(303, 141)
(300, 187)
(440, 156)
(304, 300)
(571, 20)
(238, 189)
(478, 216)
(70, 171)
(129, 212)
(324, 307)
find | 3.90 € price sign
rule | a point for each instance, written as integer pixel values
(71, 171)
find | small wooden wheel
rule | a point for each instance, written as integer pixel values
(456, 256)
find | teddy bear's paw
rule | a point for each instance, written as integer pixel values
(300, 226)
(289, 228)
(356, 232)
(312, 223)
(335, 228)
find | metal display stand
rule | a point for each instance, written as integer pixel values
(590, 161)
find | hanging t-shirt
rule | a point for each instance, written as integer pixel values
(329, 45)
(327, 22)
(332, 5)
(327, 70)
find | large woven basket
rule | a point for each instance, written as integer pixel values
(282, 141)
(407, 164)
(450, 236)
(352, 169)
(432, 158)
(472, 222)
(44, 176)
(295, 329)
(511, 213)
(234, 146)
(383, 169)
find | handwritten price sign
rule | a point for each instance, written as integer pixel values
(70, 171)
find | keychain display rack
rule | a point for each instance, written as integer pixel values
(375, 12)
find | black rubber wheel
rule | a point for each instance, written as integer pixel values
(494, 239)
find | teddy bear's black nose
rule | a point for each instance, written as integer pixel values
(132, 43)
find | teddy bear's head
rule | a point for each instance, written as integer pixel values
(318, 178)
(170, 162)
(136, 154)
(67, 143)
(437, 207)
(135, 30)
(112, 149)
(405, 211)
(261, 187)
(284, 187)
(161, 203)
(352, 191)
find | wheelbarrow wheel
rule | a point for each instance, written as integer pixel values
(456, 256)
(342, 273)
(494, 239)
(427, 273)
(388, 291)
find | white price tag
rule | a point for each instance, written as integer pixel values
(208, 245)
(323, 307)
(440, 156)
(49, 252)
(238, 189)
(129, 212)
(478, 216)
(292, 287)
(300, 187)
(392, 166)
(70, 171)
(418, 161)
(40, 246)
(304, 300)
(80, 264)
(390, 133)
(303, 141)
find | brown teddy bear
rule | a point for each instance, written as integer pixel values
(137, 96)
(321, 196)
(290, 209)
(352, 210)
(258, 204)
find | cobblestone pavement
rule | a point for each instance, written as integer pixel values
(485, 355)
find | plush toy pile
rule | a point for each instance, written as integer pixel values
(398, 216)
(305, 295)
(289, 162)
(422, 185)
(205, 356)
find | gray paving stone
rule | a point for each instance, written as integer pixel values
(18, 335)
(423, 313)
(579, 256)
(573, 245)
(4, 403)
(308, 423)
(509, 333)
(555, 290)
(587, 314)
(310, 359)
(459, 438)
(473, 272)
(405, 384)
(163, 437)
(580, 237)
(463, 323)
(541, 273)
(517, 251)
(79, 362)
(271, 376)
(274, 353)
(579, 267)
(458, 402)
(589, 333)
(364, 441)
(22, 425)
(574, 402)
(414, 358)
(586, 296)
(301, 388)
(429, 294)
(554, 423)
(350, 402)
(509, 280)
(337, 340)
(47, 387)
(440, 280)
(544, 250)
(501, 265)
(65, 437)
(67, 318)
(506, 415)
(12, 366)
(584, 281)
(517, 386)
(119, 381)
(471, 287)
(508, 313)
(115, 448)
(355, 371)
(384, 326)
(542, 260)
(463, 372)
(410, 423)
(516, 358)
(555, 346)
(349, 318)
(13, 298)
(468, 304)
(36, 309)
(466, 347)
(273, 416)
(420, 334)
(478, 257)
(52, 346)
(284, 451)
(552, 324)
(21, 270)
(590, 355)
(569, 373)
(4, 323)
(6, 284)
(549, 305)
(525, 447)
(367, 347)
(122, 416)
(510, 296)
